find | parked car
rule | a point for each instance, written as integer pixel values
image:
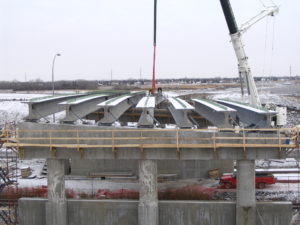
(229, 181)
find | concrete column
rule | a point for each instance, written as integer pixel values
(245, 194)
(56, 207)
(148, 204)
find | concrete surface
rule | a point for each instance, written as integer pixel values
(125, 212)
(245, 194)
(185, 169)
(56, 211)
(148, 202)
(148, 153)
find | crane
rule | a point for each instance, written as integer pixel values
(237, 42)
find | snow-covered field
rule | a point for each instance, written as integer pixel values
(267, 96)
(11, 107)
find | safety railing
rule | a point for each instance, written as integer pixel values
(283, 138)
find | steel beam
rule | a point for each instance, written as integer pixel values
(79, 108)
(251, 116)
(115, 107)
(42, 107)
(147, 104)
(179, 110)
(218, 114)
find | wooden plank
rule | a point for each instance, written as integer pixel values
(217, 145)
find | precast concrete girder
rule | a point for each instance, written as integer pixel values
(42, 107)
(81, 107)
(115, 107)
(253, 117)
(219, 115)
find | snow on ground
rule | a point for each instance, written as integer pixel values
(11, 107)
(11, 111)
(266, 97)
(278, 163)
(19, 96)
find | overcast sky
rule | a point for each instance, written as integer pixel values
(95, 36)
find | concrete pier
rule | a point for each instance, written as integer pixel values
(148, 203)
(56, 207)
(245, 195)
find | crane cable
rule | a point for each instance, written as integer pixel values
(272, 48)
(262, 3)
(265, 47)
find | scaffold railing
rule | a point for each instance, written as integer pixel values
(283, 138)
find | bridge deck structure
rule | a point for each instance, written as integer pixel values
(35, 140)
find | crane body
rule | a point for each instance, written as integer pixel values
(237, 42)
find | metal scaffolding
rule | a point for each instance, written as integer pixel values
(8, 178)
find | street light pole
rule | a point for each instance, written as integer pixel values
(53, 79)
(53, 72)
